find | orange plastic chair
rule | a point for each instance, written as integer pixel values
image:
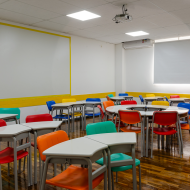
(108, 104)
(130, 117)
(108, 98)
(74, 177)
(174, 96)
(128, 102)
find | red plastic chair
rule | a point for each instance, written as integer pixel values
(74, 177)
(130, 117)
(165, 118)
(174, 96)
(7, 155)
(128, 102)
(39, 118)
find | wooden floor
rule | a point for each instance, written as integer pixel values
(166, 170)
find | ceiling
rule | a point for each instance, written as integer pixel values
(160, 18)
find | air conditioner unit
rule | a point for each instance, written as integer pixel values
(138, 44)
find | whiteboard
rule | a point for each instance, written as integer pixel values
(172, 62)
(33, 63)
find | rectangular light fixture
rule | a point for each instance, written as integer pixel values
(166, 40)
(83, 15)
(184, 37)
(137, 33)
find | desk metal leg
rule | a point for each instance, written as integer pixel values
(68, 122)
(35, 157)
(109, 170)
(134, 169)
(147, 137)
(142, 128)
(15, 164)
(93, 113)
(30, 161)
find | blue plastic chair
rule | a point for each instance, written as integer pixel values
(141, 99)
(123, 94)
(166, 98)
(91, 113)
(109, 127)
(184, 105)
(49, 105)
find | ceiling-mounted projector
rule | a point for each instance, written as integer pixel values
(122, 17)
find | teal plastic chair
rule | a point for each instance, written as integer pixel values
(110, 95)
(109, 127)
(11, 111)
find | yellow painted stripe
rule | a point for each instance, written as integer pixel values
(136, 94)
(41, 100)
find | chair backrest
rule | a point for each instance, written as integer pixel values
(184, 105)
(110, 95)
(2, 123)
(141, 98)
(10, 111)
(165, 117)
(123, 94)
(93, 100)
(39, 118)
(166, 98)
(163, 103)
(101, 111)
(129, 116)
(68, 100)
(108, 98)
(150, 95)
(174, 96)
(50, 139)
(108, 104)
(102, 127)
(49, 104)
(128, 102)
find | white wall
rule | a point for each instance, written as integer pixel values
(138, 66)
(93, 66)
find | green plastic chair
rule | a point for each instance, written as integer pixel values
(110, 95)
(11, 111)
(109, 127)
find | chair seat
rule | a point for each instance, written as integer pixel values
(91, 114)
(184, 126)
(164, 131)
(131, 129)
(119, 157)
(7, 155)
(77, 114)
(74, 178)
(61, 117)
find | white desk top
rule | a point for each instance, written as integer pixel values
(92, 102)
(67, 104)
(114, 109)
(43, 125)
(111, 139)
(152, 98)
(80, 147)
(178, 99)
(13, 130)
(5, 116)
(117, 98)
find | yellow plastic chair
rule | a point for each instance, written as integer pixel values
(150, 95)
(161, 103)
(76, 114)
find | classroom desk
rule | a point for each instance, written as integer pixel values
(77, 151)
(146, 112)
(118, 143)
(38, 129)
(150, 99)
(14, 133)
(9, 116)
(118, 99)
(178, 100)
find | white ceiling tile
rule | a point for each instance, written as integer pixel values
(122, 2)
(84, 33)
(143, 8)
(86, 3)
(54, 26)
(56, 6)
(164, 19)
(2, 1)
(183, 15)
(170, 5)
(180, 29)
(29, 10)
(16, 17)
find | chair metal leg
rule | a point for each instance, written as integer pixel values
(28, 170)
(112, 180)
(139, 177)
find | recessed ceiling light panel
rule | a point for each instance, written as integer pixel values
(184, 37)
(83, 15)
(137, 33)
